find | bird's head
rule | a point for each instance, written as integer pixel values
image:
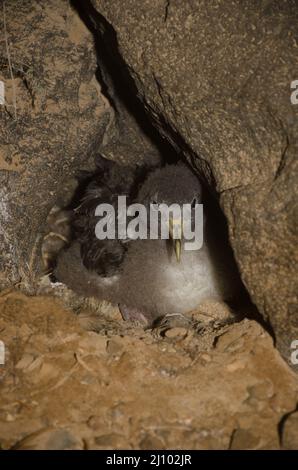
(172, 184)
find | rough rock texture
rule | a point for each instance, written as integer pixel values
(56, 117)
(66, 388)
(215, 78)
(60, 117)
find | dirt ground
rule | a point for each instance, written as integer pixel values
(63, 387)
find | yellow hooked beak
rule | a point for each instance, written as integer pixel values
(175, 231)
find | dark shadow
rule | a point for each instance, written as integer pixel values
(281, 424)
(114, 77)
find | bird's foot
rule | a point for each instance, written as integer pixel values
(170, 321)
(134, 315)
(212, 315)
(182, 322)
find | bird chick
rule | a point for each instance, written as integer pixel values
(155, 277)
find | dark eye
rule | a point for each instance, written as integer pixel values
(194, 202)
(154, 204)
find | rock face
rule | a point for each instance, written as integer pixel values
(54, 120)
(216, 81)
(55, 116)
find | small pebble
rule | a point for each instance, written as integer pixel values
(236, 365)
(206, 357)
(176, 332)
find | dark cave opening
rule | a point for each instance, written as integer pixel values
(119, 88)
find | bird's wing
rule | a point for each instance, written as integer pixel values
(110, 181)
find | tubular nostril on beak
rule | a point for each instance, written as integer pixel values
(175, 228)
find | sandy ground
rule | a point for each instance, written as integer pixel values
(63, 387)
